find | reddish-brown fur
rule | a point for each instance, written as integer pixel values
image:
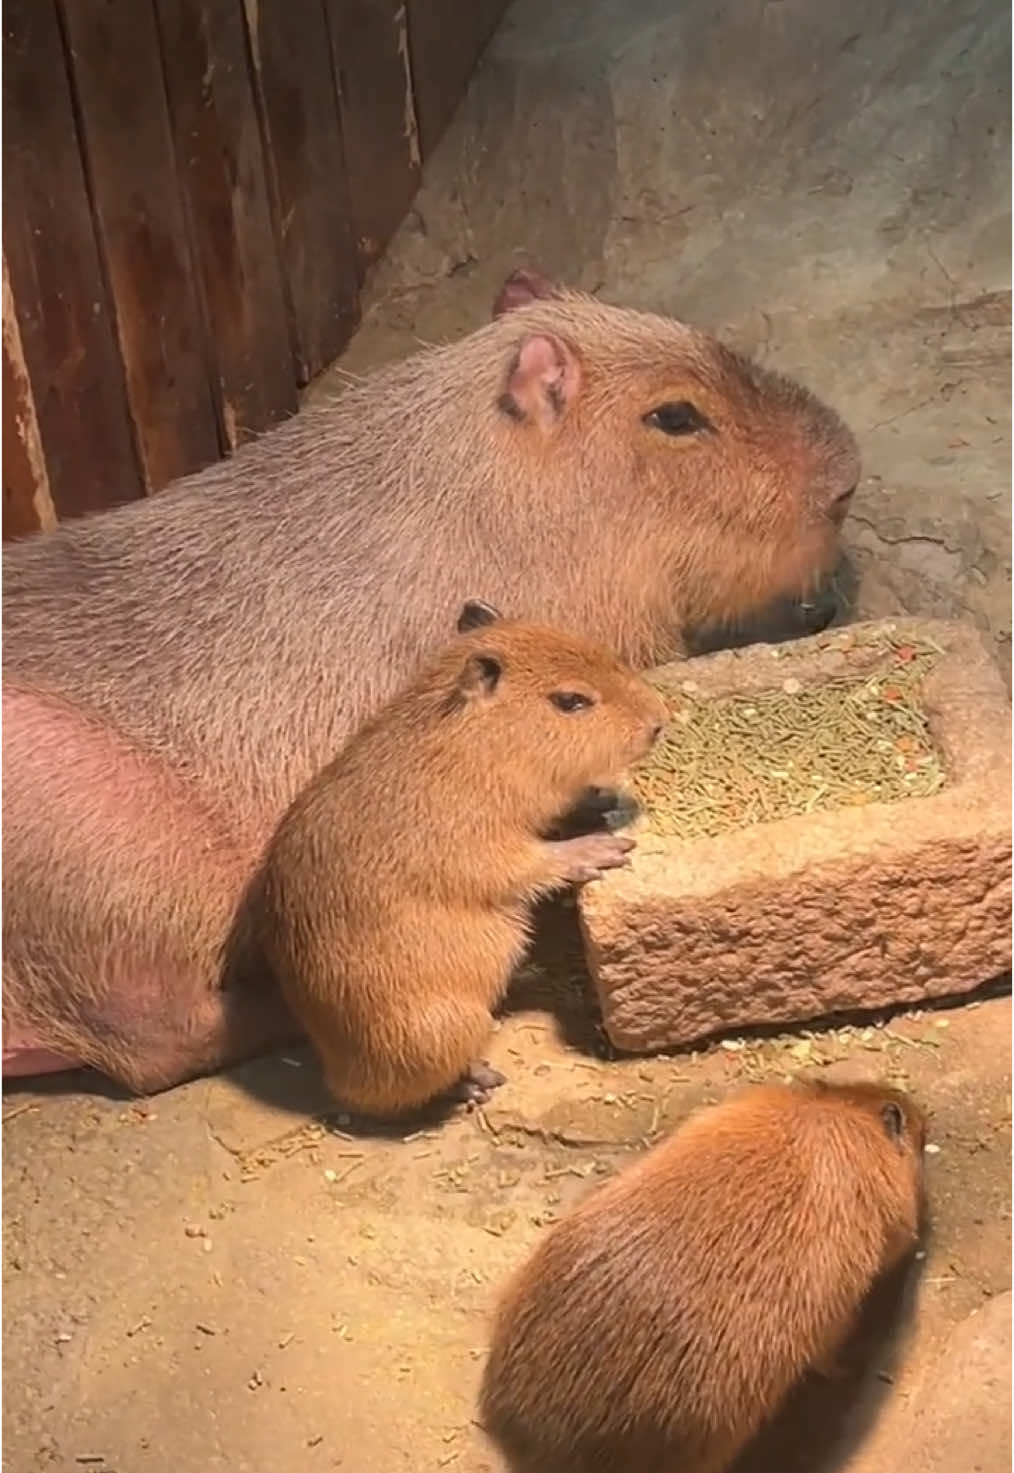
(658, 1327)
(177, 669)
(394, 899)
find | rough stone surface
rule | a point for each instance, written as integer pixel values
(831, 912)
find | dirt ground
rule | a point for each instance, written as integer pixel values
(228, 1277)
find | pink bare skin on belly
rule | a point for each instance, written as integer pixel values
(23, 1057)
(147, 1015)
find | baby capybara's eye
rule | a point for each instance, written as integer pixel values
(680, 418)
(570, 700)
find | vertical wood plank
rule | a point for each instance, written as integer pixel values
(117, 71)
(63, 315)
(298, 100)
(27, 504)
(446, 39)
(221, 166)
(369, 40)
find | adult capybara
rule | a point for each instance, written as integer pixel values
(394, 899)
(658, 1327)
(175, 670)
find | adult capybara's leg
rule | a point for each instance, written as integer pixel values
(195, 1031)
(119, 881)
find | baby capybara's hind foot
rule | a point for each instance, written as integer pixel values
(476, 1084)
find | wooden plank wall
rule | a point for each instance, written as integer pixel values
(193, 192)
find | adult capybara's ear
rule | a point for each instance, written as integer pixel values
(543, 381)
(475, 613)
(521, 289)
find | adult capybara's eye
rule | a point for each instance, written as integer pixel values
(678, 418)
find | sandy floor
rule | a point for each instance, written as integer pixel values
(222, 1279)
(226, 1277)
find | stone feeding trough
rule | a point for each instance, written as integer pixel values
(826, 828)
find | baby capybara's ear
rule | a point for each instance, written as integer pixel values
(522, 288)
(478, 679)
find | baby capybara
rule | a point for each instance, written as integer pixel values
(177, 669)
(658, 1327)
(394, 899)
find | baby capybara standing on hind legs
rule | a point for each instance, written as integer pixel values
(659, 1326)
(394, 899)
(175, 670)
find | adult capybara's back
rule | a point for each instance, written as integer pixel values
(177, 669)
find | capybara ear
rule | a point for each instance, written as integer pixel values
(522, 288)
(480, 676)
(543, 381)
(893, 1119)
(475, 613)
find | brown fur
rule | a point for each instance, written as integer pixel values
(393, 901)
(659, 1326)
(194, 658)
